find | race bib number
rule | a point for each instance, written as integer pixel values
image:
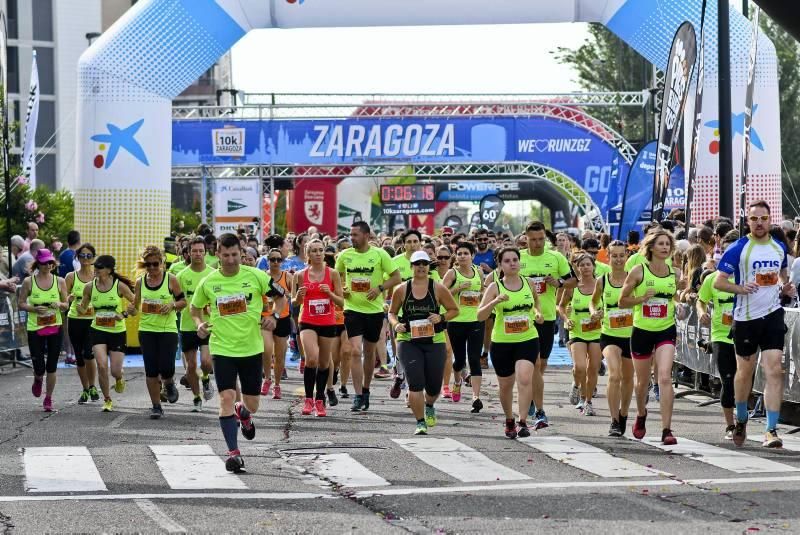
(654, 309)
(360, 284)
(421, 329)
(469, 299)
(339, 315)
(230, 305)
(89, 313)
(319, 307)
(516, 324)
(151, 306)
(589, 325)
(619, 319)
(727, 317)
(106, 318)
(48, 318)
(539, 285)
(766, 277)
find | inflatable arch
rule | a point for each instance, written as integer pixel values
(128, 78)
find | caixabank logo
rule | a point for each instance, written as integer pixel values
(109, 144)
(298, 2)
(737, 120)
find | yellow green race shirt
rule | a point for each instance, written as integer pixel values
(236, 304)
(722, 316)
(537, 268)
(363, 271)
(189, 280)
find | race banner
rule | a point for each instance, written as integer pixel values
(698, 115)
(638, 192)
(236, 202)
(31, 122)
(748, 118)
(682, 56)
(490, 209)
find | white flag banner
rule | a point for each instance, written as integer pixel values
(31, 120)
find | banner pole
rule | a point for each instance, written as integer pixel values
(725, 119)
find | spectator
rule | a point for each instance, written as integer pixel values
(66, 260)
(17, 246)
(31, 233)
(22, 266)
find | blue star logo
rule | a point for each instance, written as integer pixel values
(738, 128)
(122, 138)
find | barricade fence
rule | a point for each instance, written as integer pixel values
(13, 335)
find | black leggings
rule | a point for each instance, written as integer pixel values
(726, 364)
(158, 353)
(44, 346)
(466, 339)
(79, 337)
(423, 365)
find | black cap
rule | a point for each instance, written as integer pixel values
(105, 261)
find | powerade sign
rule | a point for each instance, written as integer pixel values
(567, 148)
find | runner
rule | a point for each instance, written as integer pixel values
(420, 326)
(362, 268)
(316, 289)
(584, 331)
(549, 270)
(78, 325)
(650, 288)
(158, 296)
(189, 279)
(465, 282)
(758, 263)
(615, 338)
(276, 340)
(232, 293)
(721, 320)
(515, 343)
(340, 345)
(44, 297)
(107, 332)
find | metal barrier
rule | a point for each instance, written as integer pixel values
(13, 335)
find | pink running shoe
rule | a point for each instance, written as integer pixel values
(319, 408)
(308, 406)
(446, 392)
(265, 386)
(276, 392)
(48, 404)
(456, 393)
(36, 387)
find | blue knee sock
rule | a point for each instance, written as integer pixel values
(741, 411)
(772, 419)
(230, 430)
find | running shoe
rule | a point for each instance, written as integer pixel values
(319, 408)
(172, 392)
(332, 399)
(70, 359)
(623, 424)
(613, 431)
(430, 416)
(541, 421)
(667, 438)
(356, 407)
(422, 429)
(94, 395)
(284, 375)
(532, 410)
(308, 407)
(47, 405)
(119, 385)
(365, 401)
(739, 432)
(477, 405)
(156, 412)
(574, 395)
(579, 406)
(208, 393)
(302, 367)
(265, 386)
(511, 429)
(185, 382)
(383, 373)
(772, 440)
(84, 397)
(394, 391)
(234, 463)
(197, 404)
(246, 424)
(36, 387)
(588, 409)
(729, 432)
(276, 392)
(446, 392)
(485, 361)
(108, 406)
(523, 431)
(639, 429)
(293, 346)
(456, 393)
(343, 392)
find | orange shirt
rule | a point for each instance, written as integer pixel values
(602, 255)
(283, 281)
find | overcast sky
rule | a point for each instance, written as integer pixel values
(438, 59)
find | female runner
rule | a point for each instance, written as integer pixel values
(78, 325)
(276, 341)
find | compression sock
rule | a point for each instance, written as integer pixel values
(772, 419)
(741, 411)
(309, 378)
(230, 430)
(322, 381)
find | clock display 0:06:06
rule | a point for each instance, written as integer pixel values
(407, 193)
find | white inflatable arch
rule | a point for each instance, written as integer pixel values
(128, 78)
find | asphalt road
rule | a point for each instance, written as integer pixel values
(367, 473)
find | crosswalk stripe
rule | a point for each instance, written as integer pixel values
(457, 460)
(588, 458)
(340, 468)
(735, 461)
(194, 467)
(61, 469)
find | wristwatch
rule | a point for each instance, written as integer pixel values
(276, 315)
(380, 287)
(560, 283)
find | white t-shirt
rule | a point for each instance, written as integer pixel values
(749, 261)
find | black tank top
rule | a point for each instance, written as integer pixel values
(420, 309)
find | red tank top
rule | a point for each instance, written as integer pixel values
(318, 308)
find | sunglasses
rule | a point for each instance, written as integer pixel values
(442, 258)
(420, 263)
(755, 218)
(151, 264)
(275, 259)
(86, 256)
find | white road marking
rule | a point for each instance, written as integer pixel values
(457, 460)
(735, 461)
(340, 468)
(159, 517)
(194, 467)
(288, 496)
(589, 458)
(116, 422)
(61, 469)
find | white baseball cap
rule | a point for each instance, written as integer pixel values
(420, 255)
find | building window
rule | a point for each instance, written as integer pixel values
(42, 20)
(13, 19)
(46, 128)
(46, 171)
(13, 69)
(15, 113)
(45, 63)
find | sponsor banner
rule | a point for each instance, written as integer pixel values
(453, 221)
(490, 208)
(233, 227)
(638, 192)
(416, 207)
(682, 56)
(315, 204)
(237, 200)
(698, 113)
(228, 142)
(748, 118)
